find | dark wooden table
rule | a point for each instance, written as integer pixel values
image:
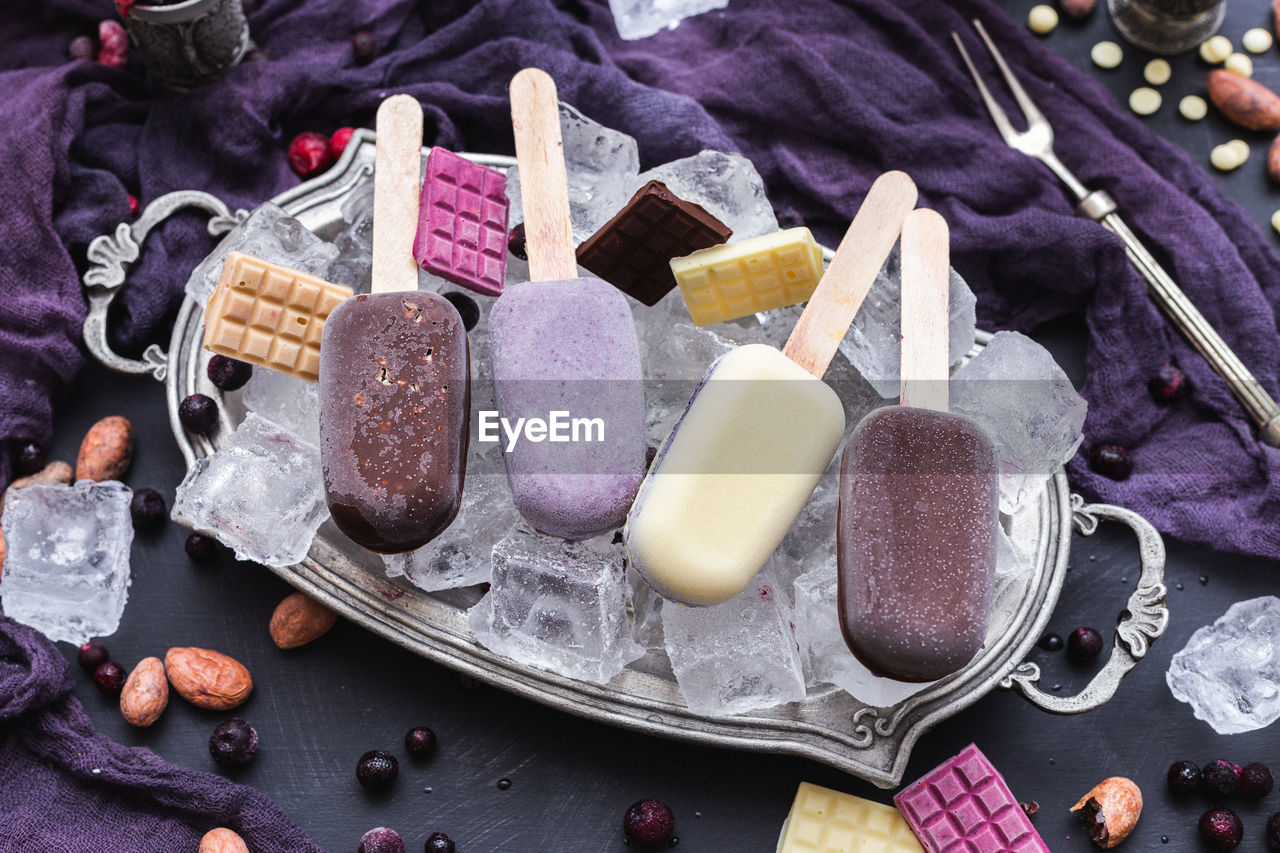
(318, 708)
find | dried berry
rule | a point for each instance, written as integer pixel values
(438, 842)
(198, 413)
(29, 459)
(420, 741)
(228, 374)
(338, 141)
(1256, 780)
(200, 548)
(133, 204)
(82, 47)
(1110, 810)
(1184, 777)
(648, 822)
(92, 655)
(1111, 460)
(516, 244)
(467, 308)
(148, 510)
(109, 677)
(1084, 645)
(124, 7)
(1273, 831)
(233, 743)
(1221, 828)
(1050, 643)
(377, 769)
(382, 839)
(114, 49)
(1168, 384)
(1222, 777)
(364, 47)
(309, 154)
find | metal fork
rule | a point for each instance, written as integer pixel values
(1037, 141)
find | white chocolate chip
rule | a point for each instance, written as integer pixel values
(1157, 72)
(1275, 220)
(1144, 101)
(1106, 54)
(1257, 40)
(1239, 63)
(1042, 20)
(1193, 108)
(1227, 157)
(1240, 147)
(1216, 49)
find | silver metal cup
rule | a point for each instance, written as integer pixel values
(1167, 26)
(189, 43)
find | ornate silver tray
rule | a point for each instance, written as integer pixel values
(829, 725)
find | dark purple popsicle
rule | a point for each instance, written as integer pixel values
(916, 541)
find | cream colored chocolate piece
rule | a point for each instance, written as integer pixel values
(1275, 221)
(270, 315)
(1042, 20)
(1229, 155)
(827, 821)
(1157, 72)
(1216, 49)
(1144, 100)
(1193, 107)
(1106, 54)
(1257, 40)
(1239, 63)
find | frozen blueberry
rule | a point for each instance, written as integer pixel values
(377, 769)
(198, 413)
(92, 655)
(1273, 831)
(82, 47)
(1184, 777)
(309, 154)
(383, 839)
(229, 373)
(29, 459)
(1256, 780)
(438, 842)
(1111, 460)
(200, 548)
(1084, 645)
(364, 47)
(467, 308)
(1221, 829)
(515, 242)
(648, 822)
(1222, 777)
(148, 510)
(1168, 384)
(234, 743)
(1050, 643)
(504, 784)
(109, 677)
(420, 741)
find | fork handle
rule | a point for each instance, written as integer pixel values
(1099, 206)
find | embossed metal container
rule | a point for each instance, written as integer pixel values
(189, 43)
(829, 725)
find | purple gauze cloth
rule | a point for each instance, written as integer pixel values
(68, 788)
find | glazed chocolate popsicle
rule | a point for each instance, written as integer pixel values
(395, 394)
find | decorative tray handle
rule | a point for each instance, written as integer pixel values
(109, 256)
(1143, 622)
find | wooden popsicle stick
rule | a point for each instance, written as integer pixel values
(926, 285)
(861, 254)
(544, 184)
(397, 183)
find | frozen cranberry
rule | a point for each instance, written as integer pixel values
(648, 822)
(515, 242)
(1222, 777)
(438, 842)
(148, 510)
(338, 141)
(383, 839)
(1084, 645)
(200, 548)
(309, 154)
(420, 741)
(198, 413)
(1256, 780)
(29, 459)
(133, 205)
(1168, 384)
(228, 373)
(82, 47)
(1050, 643)
(377, 769)
(92, 655)
(364, 47)
(1111, 460)
(114, 49)
(1273, 831)
(124, 7)
(233, 743)
(109, 677)
(1184, 777)
(467, 308)
(1221, 828)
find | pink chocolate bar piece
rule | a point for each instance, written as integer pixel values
(964, 806)
(462, 223)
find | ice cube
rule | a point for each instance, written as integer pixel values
(874, 343)
(460, 556)
(727, 185)
(271, 234)
(1024, 401)
(736, 656)
(67, 569)
(1229, 672)
(285, 400)
(646, 612)
(260, 494)
(558, 606)
(637, 19)
(601, 165)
